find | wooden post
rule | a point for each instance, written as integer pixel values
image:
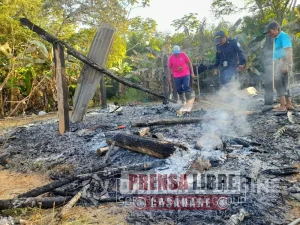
(268, 76)
(165, 79)
(62, 88)
(198, 78)
(103, 93)
(90, 78)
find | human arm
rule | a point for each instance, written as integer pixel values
(288, 59)
(217, 63)
(192, 70)
(241, 55)
(287, 46)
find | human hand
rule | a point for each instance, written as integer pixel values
(193, 75)
(241, 67)
(215, 71)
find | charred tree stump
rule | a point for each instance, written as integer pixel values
(268, 76)
(62, 88)
(90, 78)
(149, 146)
(45, 202)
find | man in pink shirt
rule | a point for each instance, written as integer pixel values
(181, 67)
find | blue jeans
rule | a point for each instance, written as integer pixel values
(182, 84)
(227, 73)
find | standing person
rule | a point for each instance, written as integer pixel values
(283, 61)
(229, 57)
(181, 67)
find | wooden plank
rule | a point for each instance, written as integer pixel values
(90, 78)
(62, 88)
(186, 108)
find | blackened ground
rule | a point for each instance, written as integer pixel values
(39, 147)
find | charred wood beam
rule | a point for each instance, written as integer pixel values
(45, 202)
(150, 146)
(282, 171)
(48, 187)
(171, 121)
(104, 173)
(52, 39)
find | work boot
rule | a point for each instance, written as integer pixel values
(182, 98)
(188, 96)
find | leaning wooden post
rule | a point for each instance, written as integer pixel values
(90, 78)
(62, 88)
(165, 79)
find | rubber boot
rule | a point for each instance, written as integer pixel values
(182, 98)
(188, 95)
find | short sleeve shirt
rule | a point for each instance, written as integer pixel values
(281, 42)
(179, 65)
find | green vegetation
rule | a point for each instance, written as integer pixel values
(27, 82)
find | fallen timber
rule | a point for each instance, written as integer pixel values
(170, 121)
(103, 173)
(52, 39)
(150, 146)
(44, 202)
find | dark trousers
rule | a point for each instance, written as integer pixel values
(182, 84)
(227, 73)
(281, 79)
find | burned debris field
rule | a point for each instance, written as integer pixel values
(239, 136)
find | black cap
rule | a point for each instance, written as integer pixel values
(218, 35)
(270, 26)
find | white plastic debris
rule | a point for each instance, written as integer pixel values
(238, 218)
(42, 113)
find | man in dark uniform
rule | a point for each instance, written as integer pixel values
(229, 57)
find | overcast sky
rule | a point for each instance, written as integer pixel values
(165, 11)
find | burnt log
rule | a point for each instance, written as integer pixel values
(104, 173)
(48, 187)
(282, 171)
(171, 121)
(154, 147)
(45, 202)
